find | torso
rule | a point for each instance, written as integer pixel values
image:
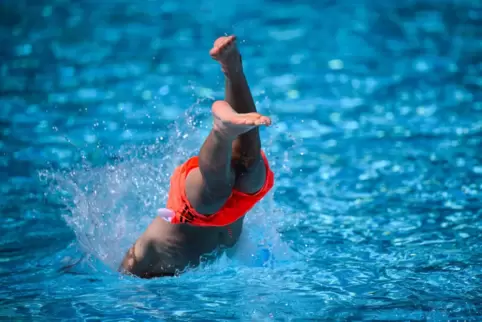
(178, 246)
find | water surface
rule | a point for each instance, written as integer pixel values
(376, 212)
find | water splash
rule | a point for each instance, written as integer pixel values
(109, 206)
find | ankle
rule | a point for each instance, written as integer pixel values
(233, 68)
(221, 136)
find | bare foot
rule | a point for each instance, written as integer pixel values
(229, 123)
(227, 54)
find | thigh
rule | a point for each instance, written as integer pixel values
(207, 198)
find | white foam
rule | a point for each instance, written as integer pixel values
(109, 207)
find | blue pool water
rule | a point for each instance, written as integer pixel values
(376, 144)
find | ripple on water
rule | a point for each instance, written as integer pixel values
(376, 210)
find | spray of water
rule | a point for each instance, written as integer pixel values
(108, 207)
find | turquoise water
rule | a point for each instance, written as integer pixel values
(376, 212)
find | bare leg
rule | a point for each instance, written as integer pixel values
(209, 186)
(164, 247)
(246, 155)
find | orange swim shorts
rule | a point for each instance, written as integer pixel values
(236, 206)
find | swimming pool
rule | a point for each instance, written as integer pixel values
(376, 213)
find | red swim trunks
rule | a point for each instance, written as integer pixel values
(236, 206)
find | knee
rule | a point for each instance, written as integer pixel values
(248, 164)
(251, 180)
(246, 152)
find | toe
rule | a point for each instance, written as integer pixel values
(266, 120)
(222, 44)
(263, 120)
(223, 41)
(226, 41)
(218, 42)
